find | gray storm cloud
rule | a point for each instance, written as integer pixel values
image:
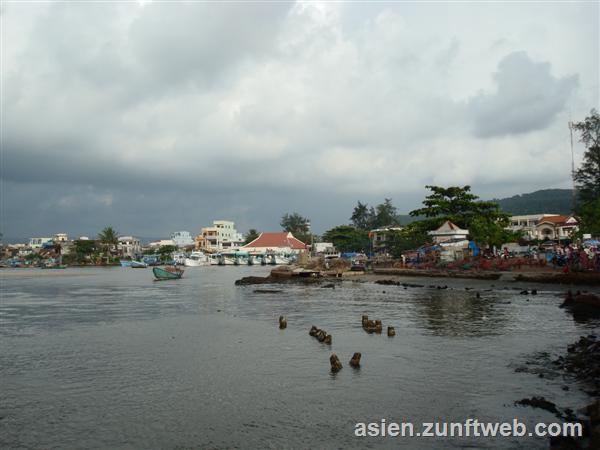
(527, 98)
(208, 110)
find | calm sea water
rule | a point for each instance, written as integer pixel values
(108, 358)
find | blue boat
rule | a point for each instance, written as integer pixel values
(125, 263)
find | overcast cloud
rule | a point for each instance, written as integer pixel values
(160, 116)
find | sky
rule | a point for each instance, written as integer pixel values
(155, 116)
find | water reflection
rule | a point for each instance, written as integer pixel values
(459, 313)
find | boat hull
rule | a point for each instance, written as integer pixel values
(167, 273)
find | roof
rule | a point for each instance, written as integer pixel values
(555, 220)
(448, 228)
(283, 239)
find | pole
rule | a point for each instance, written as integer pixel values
(574, 196)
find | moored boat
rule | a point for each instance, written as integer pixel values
(138, 265)
(167, 273)
(196, 259)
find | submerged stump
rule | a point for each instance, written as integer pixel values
(336, 365)
(282, 323)
(355, 361)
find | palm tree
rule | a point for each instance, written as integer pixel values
(110, 238)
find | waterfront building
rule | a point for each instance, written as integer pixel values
(448, 232)
(221, 236)
(129, 246)
(38, 242)
(60, 237)
(182, 238)
(283, 242)
(556, 227)
(527, 224)
(380, 236)
(161, 243)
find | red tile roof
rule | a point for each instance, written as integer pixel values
(554, 220)
(276, 240)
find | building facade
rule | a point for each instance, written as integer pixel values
(380, 236)
(556, 228)
(38, 242)
(182, 238)
(222, 236)
(129, 246)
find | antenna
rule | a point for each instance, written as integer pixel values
(573, 200)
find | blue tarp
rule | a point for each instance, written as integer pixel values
(591, 243)
(474, 248)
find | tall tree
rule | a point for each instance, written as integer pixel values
(483, 219)
(109, 238)
(294, 223)
(587, 177)
(362, 218)
(347, 238)
(386, 214)
(250, 236)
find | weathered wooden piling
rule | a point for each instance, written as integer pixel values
(282, 323)
(336, 365)
(355, 361)
(391, 331)
(378, 327)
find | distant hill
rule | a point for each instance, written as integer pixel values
(552, 201)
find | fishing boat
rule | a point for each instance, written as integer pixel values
(125, 263)
(167, 273)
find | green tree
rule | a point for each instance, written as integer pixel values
(589, 218)
(297, 225)
(362, 217)
(483, 219)
(587, 177)
(411, 237)
(109, 238)
(386, 214)
(82, 250)
(250, 236)
(347, 238)
(165, 251)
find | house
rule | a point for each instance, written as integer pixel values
(283, 242)
(448, 232)
(182, 238)
(221, 236)
(129, 246)
(556, 227)
(380, 236)
(60, 237)
(527, 224)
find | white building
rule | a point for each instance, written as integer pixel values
(38, 242)
(60, 237)
(528, 224)
(556, 227)
(129, 246)
(182, 238)
(161, 243)
(221, 236)
(448, 232)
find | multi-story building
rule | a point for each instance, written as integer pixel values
(38, 242)
(182, 238)
(544, 226)
(129, 246)
(60, 237)
(221, 236)
(528, 224)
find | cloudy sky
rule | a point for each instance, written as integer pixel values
(160, 116)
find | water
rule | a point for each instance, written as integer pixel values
(107, 358)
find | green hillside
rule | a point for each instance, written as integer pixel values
(553, 201)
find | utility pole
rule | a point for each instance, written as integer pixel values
(574, 195)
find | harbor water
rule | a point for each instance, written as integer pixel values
(109, 358)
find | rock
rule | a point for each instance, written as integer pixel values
(539, 402)
(313, 331)
(267, 291)
(378, 327)
(328, 286)
(524, 292)
(365, 320)
(534, 292)
(336, 365)
(478, 295)
(355, 361)
(391, 332)
(328, 339)
(282, 323)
